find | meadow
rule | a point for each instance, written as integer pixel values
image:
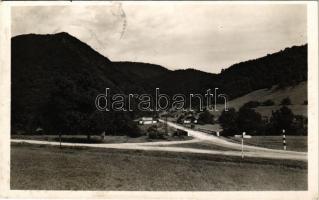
(41, 167)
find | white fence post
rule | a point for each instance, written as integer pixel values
(284, 139)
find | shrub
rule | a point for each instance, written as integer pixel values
(286, 101)
(153, 133)
(251, 104)
(180, 119)
(268, 103)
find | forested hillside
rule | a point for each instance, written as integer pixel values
(55, 79)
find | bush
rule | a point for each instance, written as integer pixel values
(251, 104)
(180, 119)
(133, 130)
(268, 103)
(153, 133)
(286, 101)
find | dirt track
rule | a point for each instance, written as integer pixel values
(154, 146)
(249, 151)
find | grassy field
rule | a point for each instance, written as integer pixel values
(161, 128)
(201, 145)
(297, 95)
(41, 167)
(294, 143)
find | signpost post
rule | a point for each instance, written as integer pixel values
(60, 140)
(166, 126)
(242, 145)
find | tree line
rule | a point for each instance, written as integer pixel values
(246, 119)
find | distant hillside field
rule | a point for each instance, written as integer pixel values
(297, 95)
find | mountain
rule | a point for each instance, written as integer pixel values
(184, 82)
(285, 68)
(57, 77)
(61, 75)
(142, 71)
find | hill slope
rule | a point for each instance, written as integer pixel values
(297, 94)
(55, 79)
(285, 68)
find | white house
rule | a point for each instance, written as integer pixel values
(147, 120)
(189, 120)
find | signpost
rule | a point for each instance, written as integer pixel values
(60, 140)
(242, 145)
(284, 139)
(166, 126)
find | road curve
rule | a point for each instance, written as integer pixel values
(219, 141)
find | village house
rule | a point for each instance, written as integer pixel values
(147, 120)
(190, 120)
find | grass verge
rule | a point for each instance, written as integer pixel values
(41, 167)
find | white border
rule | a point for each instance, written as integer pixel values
(312, 193)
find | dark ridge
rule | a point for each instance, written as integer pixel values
(59, 74)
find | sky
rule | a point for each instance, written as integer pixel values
(176, 35)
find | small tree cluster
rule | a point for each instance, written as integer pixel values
(154, 133)
(286, 101)
(248, 120)
(268, 103)
(252, 104)
(206, 118)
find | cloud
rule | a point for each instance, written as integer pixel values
(207, 36)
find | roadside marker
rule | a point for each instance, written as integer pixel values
(284, 139)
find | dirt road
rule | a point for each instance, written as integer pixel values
(249, 151)
(154, 146)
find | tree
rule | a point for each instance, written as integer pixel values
(300, 125)
(249, 121)
(228, 121)
(282, 119)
